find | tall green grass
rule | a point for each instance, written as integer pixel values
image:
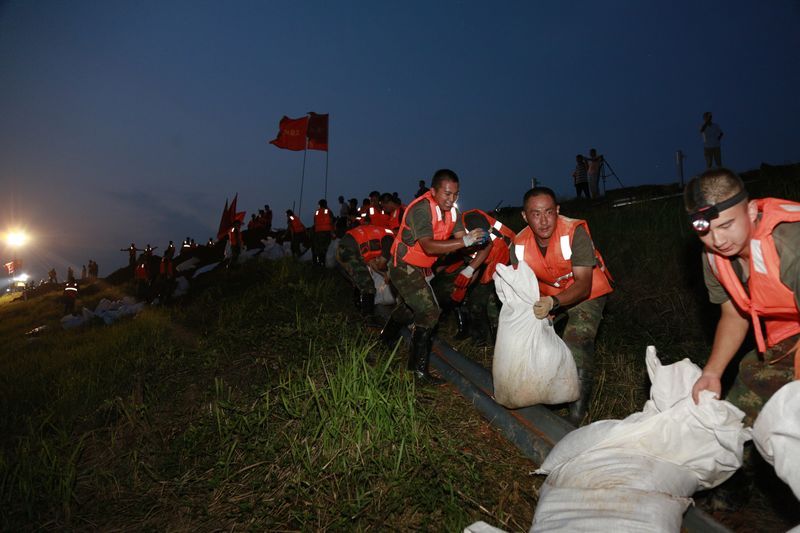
(260, 404)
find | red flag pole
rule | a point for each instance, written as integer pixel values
(326, 174)
(302, 180)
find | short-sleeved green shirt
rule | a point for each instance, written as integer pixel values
(582, 249)
(787, 244)
(420, 224)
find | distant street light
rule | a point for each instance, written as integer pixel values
(16, 238)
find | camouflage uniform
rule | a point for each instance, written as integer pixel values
(320, 244)
(443, 284)
(352, 262)
(578, 328)
(483, 303)
(416, 301)
(758, 380)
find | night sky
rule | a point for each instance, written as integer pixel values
(131, 120)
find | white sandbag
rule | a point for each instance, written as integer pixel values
(72, 321)
(306, 256)
(272, 250)
(189, 264)
(646, 466)
(383, 291)
(181, 287)
(204, 269)
(330, 254)
(103, 305)
(776, 433)
(482, 527)
(531, 365)
(250, 254)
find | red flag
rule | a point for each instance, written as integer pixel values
(292, 134)
(235, 215)
(10, 267)
(318, 132)
(224, 222)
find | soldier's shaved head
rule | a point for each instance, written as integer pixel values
(711, 187)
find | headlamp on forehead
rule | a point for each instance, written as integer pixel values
(701, 219)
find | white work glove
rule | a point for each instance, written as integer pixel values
(543, 307)
(474, 237)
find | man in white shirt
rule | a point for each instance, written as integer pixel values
(712, 134)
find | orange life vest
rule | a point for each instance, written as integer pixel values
(554, 269)
(443, 224)
(295, 226)
(768, 297)
(368, 237)
(393, 218)
(142, 271)
(235, 237)
(166, 268)
(501, 237)
(323, 220)
(376, 216)
(71, 289)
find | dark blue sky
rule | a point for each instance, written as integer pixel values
(133, 121)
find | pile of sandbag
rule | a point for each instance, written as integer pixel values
(776, 433)
(107, 311)
(330, 254)
(272, 250)
(531, 365)
(638, 474)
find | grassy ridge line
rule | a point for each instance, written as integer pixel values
(256, 406)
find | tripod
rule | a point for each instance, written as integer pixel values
(607, 170)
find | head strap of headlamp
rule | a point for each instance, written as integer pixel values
(702, 217)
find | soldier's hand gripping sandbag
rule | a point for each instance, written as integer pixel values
(532, 365)
(776, 433)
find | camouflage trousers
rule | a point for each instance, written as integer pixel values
(443, 284)
(416, 301)
(297, 239)
(580, 325)
(355, 269)
(483, 303)
(758, 380)
(319, 245)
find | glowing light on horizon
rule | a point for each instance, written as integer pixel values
(17, 238)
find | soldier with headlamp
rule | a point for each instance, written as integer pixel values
(751, 267)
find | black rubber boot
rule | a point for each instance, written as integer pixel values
(368, 311)
(463, 321)
(492, 334)
(420, 356)
(735, 493)
(367, 304)
(391, 332)
(479, 332)
(356, 297)
(580, 407)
